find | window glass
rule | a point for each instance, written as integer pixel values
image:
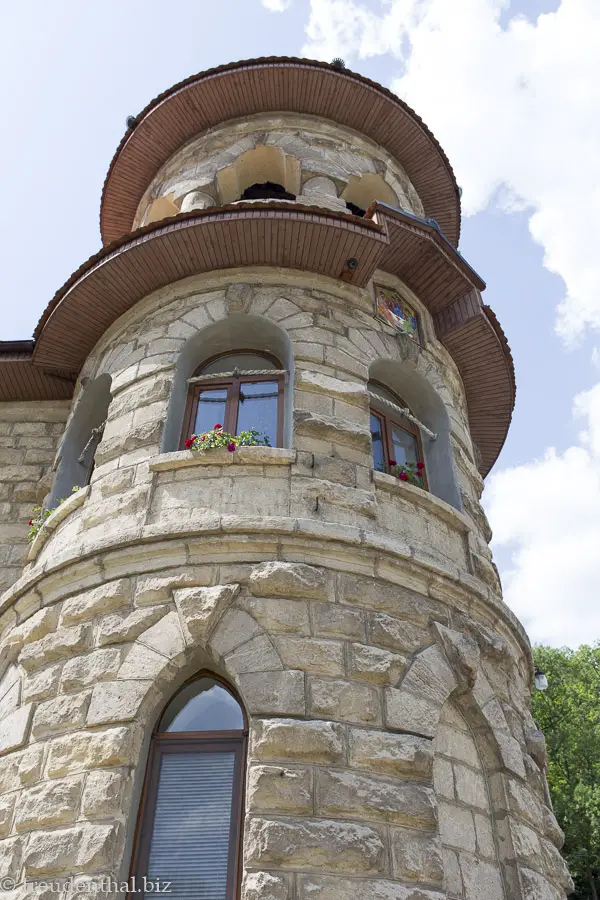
(405, 445)
(377, 441)
(203, 705)
(210, 410)
(258, 408)
(241, 361)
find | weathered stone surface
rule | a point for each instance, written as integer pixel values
(335, 620)
(52, 803)
(200, 607)
(278, 614)
(7, 805)
(286, 739)
(443, 778)
(375, 665)
(430, 677)
(102, 795)
(318, 657)
(63, 644)
(278, 789)
(165, 637)
(484, 834)
(407, 712)
(344, 700)
(457, 828)
(116, 701)
(51, 852)
(309, 845)
(274, 693)
(83, 671)
(11, 851)
(103, 599)
(235, 628)
(395, 634)
(457, 744)
(391, 754)
(126, 627)
(42, 685)
(482, 878)
(266, 886)
(257, 655)
(325, 887)
(470, 787)
(358, 796)
(60, 714)
(370, 593)
(417, 856)
(14, 729)
(284, 579)
(37, 626)
(86, 750)
(142, 663)
(158, 587)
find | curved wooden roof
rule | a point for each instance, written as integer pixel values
(276, 84)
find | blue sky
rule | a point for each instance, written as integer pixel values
(506, 87)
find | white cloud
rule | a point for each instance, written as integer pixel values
(513, 106)
(547, 514)
(277, 5)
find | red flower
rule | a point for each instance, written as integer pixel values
(203, 438)
(419, 474)
(189, 442)
(403, 476)
(215, 427)
(420, 465)
(30, 522)
(231, 446)
(392, 462)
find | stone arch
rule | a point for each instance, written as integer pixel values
(261, 164)
(406, 378)
(362, 190)
(82, 436)
(235, 332)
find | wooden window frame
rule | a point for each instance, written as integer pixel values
(387, 418)
(163, 742)
(232, 385)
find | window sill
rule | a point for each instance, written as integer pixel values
(53, 521)
(420, 497)
(243, 456)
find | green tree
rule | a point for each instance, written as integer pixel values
(569, 715)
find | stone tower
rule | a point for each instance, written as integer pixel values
(278, 672)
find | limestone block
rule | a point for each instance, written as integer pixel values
(158, 587)
(457, 828)
(98, 846)
(458, 745)
(482, 878)
(314, 845)
(256, 655)
(116, 701)
(555, 866)
(65, 643)
(430, 676)
(349, 391)
(102, 794)
(462, 652)
(100, 600)
(34, 628)
(283, 739)
(52, 803)
(9, 701)
(51, 852)
(199, 607)
(470, 787)
(344, 700)
(334, 620)
(7, 805)
(318, 657)
(326, 887)
(416, 856)
(278, 615)
(396, 600)
(140, 558)
(42, 685)
(359, 796)
(391, 754)
(61, 714)
(524, 803)
(235, 628)
(332, 428)
(278, 789)
(142, 663)
(165, 636)
(405, 712)
(443, 778)
(11, 851)
(452, 876)
(485, 837)
(395, 634)
(266, 886)
(14, 729)
(127, 627)
(30, 764)
(375, 665)
(274, 693)
(86, 750)
(82, 671)
(285, 579)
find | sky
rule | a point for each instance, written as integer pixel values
(510, 89)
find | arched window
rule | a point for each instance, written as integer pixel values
(226, 390)
(189, 828)
(396, 439)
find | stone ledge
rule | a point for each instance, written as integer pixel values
(420, 497)
(53, 521)
(243, 456)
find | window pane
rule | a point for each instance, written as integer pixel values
(211, 410)
(377, 439)
(258, 408)
(405, 445)
(240, 361)
(202, 705)
(190, 835)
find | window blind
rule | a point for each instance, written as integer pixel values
(190, 835)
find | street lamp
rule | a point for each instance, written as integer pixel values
(541, 682)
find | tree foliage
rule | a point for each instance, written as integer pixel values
(569, 715)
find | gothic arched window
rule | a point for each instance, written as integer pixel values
(189, 828)
(226, 391)
(396, 440)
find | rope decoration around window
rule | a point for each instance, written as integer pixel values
(95, 435)
(237, 372)
(404, 412)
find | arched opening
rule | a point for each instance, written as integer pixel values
(241, 335)
(396, 438)
(81, 439)
(362, 190)
(268, 190)
(427, 407)
(264, 165)
(190, 820)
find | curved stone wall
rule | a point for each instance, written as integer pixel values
(322, 163)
